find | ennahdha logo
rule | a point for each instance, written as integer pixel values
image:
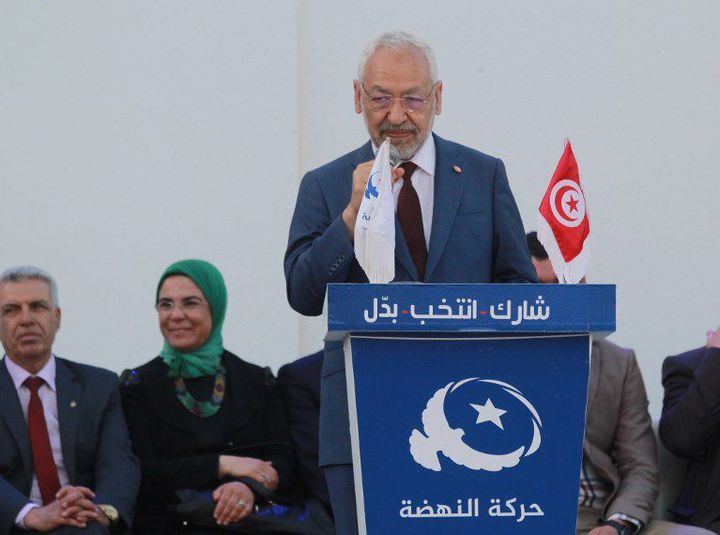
(371, 190)
(482, 424)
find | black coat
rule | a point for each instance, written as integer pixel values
(299, 383)
(690, 428)
(167, 437)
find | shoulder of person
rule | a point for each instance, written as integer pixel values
(136, 376)
(615, 361)
(343, 163)
(308, 365)
(691, 359)
(470, 155)
(88, 371)
(610, 350)
(252, 372)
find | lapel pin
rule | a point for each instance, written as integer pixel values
(73, 404)
(457, 169)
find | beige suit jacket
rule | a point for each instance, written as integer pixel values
(619, 440)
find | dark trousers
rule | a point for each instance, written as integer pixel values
(341, 485)
(92, 529)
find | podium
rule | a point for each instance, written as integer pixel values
(467, 402)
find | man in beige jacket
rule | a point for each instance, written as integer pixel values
(619, 478)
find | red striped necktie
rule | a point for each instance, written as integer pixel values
(45, 469)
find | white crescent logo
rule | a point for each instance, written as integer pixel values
(438, 436)
(567, 203)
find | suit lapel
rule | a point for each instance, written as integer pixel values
(447, 195)
(69, 392)
(11, 412)
(243, 395)
(402, 252)
(362, 155)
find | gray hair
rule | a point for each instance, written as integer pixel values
(22, 273)
(397, 40)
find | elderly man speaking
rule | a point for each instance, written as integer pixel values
(66, 464)
(456, 221)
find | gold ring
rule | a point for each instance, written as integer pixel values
(241, 503)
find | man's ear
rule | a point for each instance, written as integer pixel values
(438, 97)
(357, 95)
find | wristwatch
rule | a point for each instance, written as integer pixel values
(110, 512)
(621, 528)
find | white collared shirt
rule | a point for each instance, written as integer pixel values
(48, 396)
(423, 179)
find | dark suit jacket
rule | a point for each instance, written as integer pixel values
(299, 383)
(619, 439)
(476, 236)
(164, 433)
(690, 428)
(94, 438)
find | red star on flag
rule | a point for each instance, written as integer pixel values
(572, 204)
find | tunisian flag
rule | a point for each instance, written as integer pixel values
(563, 224)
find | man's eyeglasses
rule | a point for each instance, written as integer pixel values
(410, 103)
(188, 305)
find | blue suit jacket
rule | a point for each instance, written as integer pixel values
(95, 444)
(476, 236)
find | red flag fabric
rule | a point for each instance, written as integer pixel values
(563, 223)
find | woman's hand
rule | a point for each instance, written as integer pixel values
(234, 500)
(261, 471)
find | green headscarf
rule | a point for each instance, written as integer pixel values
(204, 360)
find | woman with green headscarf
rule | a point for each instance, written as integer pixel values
(201, 418)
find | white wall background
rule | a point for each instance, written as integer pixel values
(136, 133)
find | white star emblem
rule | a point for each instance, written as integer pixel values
(489, 413)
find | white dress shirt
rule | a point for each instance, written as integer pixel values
(423, 179)
(48, 396)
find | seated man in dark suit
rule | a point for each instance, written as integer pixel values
(299, 383)
(690, 428)
(65, 459)
(619, 477)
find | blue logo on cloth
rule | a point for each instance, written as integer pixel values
(371, 190)
(482, 424)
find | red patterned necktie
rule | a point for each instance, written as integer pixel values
(45, 469)
(410, 217)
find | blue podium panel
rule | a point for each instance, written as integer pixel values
(467, 434)
(530, 308)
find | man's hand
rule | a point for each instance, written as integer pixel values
(713, 338)
(49, 517)
(77, 503)
(360, 178)
(234, 500)
(259, 470)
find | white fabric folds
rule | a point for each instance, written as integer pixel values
(375, 224)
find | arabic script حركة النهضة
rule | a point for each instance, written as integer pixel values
(496, 509)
